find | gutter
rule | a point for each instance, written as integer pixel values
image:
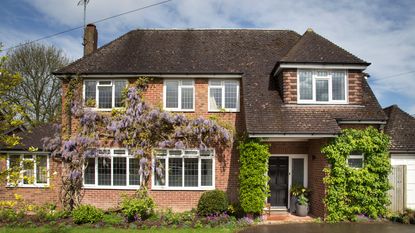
(344, 122)
(162, 75)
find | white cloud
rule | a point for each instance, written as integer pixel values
(377, 31)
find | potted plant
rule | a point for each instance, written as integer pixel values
(295, 191)
(302, 205)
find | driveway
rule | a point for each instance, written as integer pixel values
(332, 228)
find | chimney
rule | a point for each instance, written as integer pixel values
(90, 39)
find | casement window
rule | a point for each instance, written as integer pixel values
(223, 95)
(183, 169)
(104, 94)
(33, 169)
(322, 87)
(179, 95)
(355, 160)
(113, 168)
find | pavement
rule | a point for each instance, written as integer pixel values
(331, 228)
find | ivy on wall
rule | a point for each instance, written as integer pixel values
(253, 180)
(351, 191)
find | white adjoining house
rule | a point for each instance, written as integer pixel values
(401, 128)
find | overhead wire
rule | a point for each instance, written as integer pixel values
(95, 22)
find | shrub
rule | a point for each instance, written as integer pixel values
(349, 191)
(253, 184)
(87, 214)
(212, 202)
(112, 219)
(139, 207)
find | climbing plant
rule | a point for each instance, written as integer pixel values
(138, 126)
(354, 191)
(253, 181)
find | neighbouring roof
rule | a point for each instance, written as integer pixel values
(251, 53)
(401, 129)
(313, 48)
(32, 137)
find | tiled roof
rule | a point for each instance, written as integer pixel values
(251, 53)
(401, 128)
(313, 48)
(32, 137)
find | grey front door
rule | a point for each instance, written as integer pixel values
(278, 183)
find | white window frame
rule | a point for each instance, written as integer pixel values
(222, 86)
(314, 88)
(167, 156)
(179, 104)
(356, 156)
(112, 186)
(35, 184)
(97, 92)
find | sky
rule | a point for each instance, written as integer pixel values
(381, 32)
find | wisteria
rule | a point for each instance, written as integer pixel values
(139, 127)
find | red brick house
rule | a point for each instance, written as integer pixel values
(293, 91)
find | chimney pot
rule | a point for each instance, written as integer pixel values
(90, 39)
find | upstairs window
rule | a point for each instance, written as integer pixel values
(104, 94)
(322, 87)
(355, 160)
(223, 95)
(179, 95)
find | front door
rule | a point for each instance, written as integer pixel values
(278, 183)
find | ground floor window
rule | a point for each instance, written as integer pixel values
(28, 169)
(183, 169)
(113, 168)
(355, 160)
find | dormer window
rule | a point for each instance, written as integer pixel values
(322, 87)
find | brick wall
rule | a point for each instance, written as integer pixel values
(226, 162)
(316, 164)
(287, 82)
(35, 195)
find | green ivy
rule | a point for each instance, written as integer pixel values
(252, 179)
(351, 191)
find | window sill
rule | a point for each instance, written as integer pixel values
(28, 186)
(155, 188)
(224, 111)
(323, 103)
(113, 187)
(178, 110)
(103, 109)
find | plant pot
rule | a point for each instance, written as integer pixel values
(293, 202)
(301, 210)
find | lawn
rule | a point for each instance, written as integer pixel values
(111, 230)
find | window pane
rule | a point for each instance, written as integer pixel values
(105, 97)
(14, 162)
(119, 87)
(134, 171)
(306, 85)
(104, 171)
(191, 172)
(89, 176)
(338, 85)
(355, 163)
(28, 170)
(160, 179)
(90, 90)
(231, 94)
(175, 152)
(322, 90)
(298, 172)
(187, 98)
(207, 172)
(215, 98)
(41, 169)
(175, 172)
(120, 171)
(172, 94)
